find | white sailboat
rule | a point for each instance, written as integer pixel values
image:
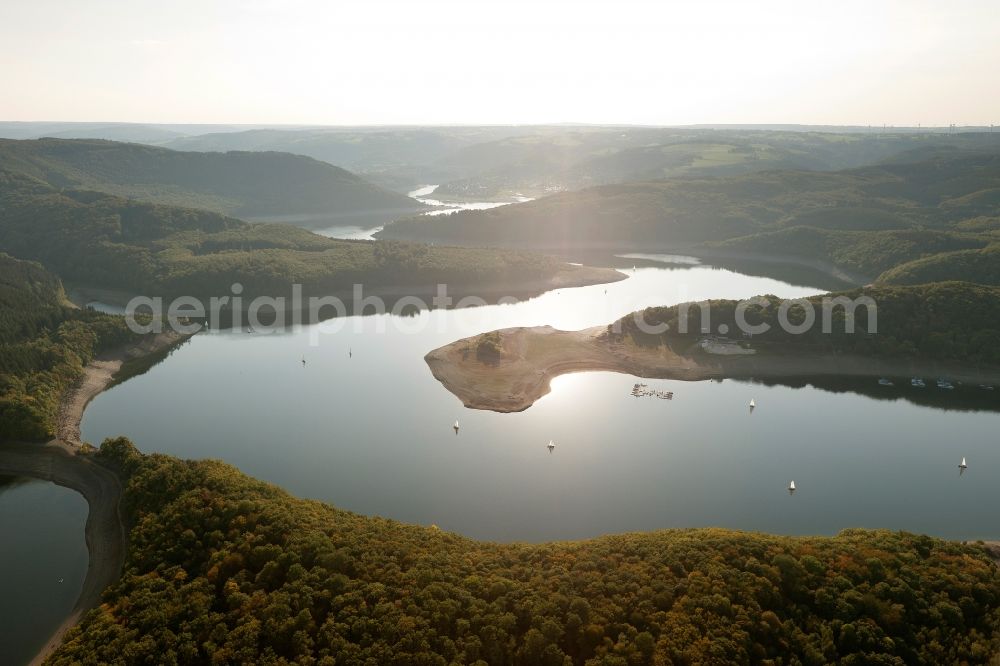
(791, 488)
(753, 403)
(963, 465)
(551, 446)
(456, 426)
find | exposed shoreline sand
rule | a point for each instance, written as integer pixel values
(99, 374)
(60, 461)
(533, 356)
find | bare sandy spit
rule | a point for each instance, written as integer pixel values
(532, 357)
(62, 462)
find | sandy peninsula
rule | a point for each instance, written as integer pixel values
(532, 357)
(63, 462)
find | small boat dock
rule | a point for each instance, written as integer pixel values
(643, 391)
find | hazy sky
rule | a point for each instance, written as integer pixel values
(438, 61)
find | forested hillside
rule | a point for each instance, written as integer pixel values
(573, 158)
(868, 253)
(945, 320)
(31, 299)
(44, 344)
(236, 183)
(108, 241)
(975, 265)
(227, 569)
(868, 219)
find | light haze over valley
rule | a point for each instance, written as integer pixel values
(559, 333)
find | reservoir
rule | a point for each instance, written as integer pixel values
(43, 561)
(364, 426)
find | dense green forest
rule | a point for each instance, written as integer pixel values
(222, 568)
(933, 195)
(44, 345)
(946, 320)
(107, 241)
(975, 265)
(867, 220)
(868, 253)
(234, 183)
(32, 299)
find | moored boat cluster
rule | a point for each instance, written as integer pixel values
(643, 391)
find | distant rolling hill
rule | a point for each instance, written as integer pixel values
(868, 219)
(355, 150)
(981, 266)
(489, 163)
(137, 132)
(96, 239)
(245, 184)
(406, 155)
(575, 158)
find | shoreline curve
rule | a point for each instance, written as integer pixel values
(62, 461)
(532, 357)
(104, 532)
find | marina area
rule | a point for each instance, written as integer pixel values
(644, 391)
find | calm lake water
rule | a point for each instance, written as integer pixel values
(424, 195)
(362, 229)
(43, 561)
(371, 432)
